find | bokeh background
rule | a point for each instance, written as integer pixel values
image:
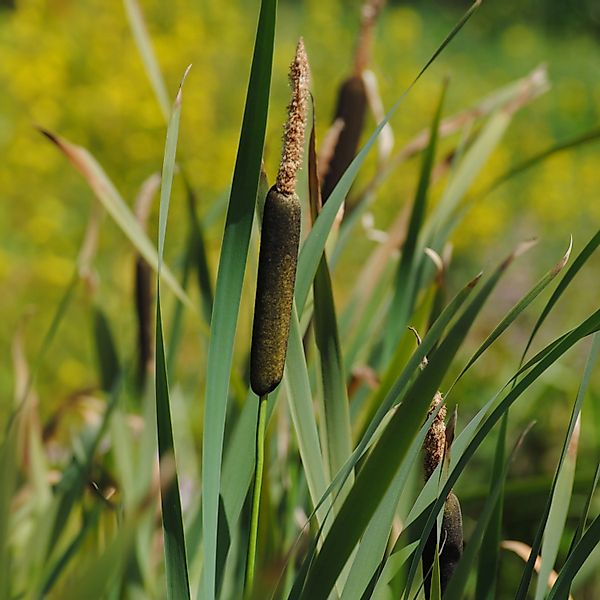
(72, 67)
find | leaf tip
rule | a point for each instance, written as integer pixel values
(179, 96)
(475, 280)
(563, 261)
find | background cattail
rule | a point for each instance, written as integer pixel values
(435, 448)
(351, 108)
(279, 244)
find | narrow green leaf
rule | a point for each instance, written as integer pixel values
(177, 316)
(435, 592)
(297, 387)
(392, 566)
(581, 552)
(456, 586)
(549, 356)
(557, 515)
(518, 308)
(94, 579)
(374, 541)
(536, 159)
(74, 477)
(535, 546)
(585, 512)
(335, 395)
(578, 263)
(470, 166)
(487, 569)
(312, 249)
(178, 586)
(381, 465)
(232, 263)
(90, 520)
(404, 292)
(106, 352)
(116, 207)
(142, 40)
(8, 482)
(398, 389)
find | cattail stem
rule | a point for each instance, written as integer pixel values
(258, 473)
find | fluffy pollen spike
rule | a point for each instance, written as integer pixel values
(435, 440)
(293, 137)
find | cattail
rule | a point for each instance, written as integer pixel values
(435, 440)
(352, 103)
(351, 110)
(279, 244)
(451, 539)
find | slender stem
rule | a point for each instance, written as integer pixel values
(258, 473)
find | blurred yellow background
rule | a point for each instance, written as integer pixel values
(72, 67)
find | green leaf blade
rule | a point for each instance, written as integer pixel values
(234, 250)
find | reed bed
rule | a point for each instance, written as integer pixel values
(333, 453)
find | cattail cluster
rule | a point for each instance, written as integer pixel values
(435, 448)
(280, 239)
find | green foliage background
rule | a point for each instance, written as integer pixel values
(72, 67)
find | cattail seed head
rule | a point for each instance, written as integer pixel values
(435, 441)
(293, 137)
(452, 539)
(274, 290)
(351, 111)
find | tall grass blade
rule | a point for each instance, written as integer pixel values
(114, 204)
(312, 249)
(74, 477)
(404, 292)
(381, 465)
(535, 546)
(489, 552)
(106, 351)
(589, 136)
(557, 516)
(373, 543)
(398, 389)
(548, 357)
(335, 394)
(142, 40)
(581, 552)
(178, 585)
(297, 386)
(232, 263)
(470, 166)
(586, 510)
(578, 263)
(8, 482)
(458, 582)
(392, 566)
(96, 577)
(518, 308)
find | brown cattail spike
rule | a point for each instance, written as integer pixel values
(452, 539)
(279, 245)
(293, 138)
(274, 290)
(435, 440)
(351, 110)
